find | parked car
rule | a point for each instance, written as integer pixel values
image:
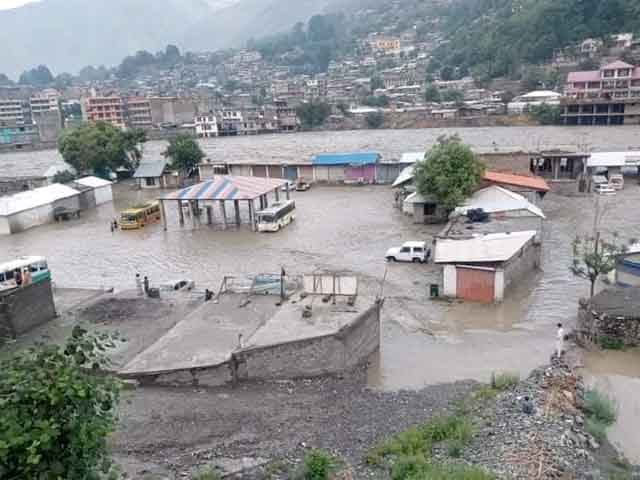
(604, 189)
(409, 252)
(176, 285)
(302, 186)
(616, 181)
(289, 186)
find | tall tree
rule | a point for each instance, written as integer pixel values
(449, 173)
(432, 94)
(99, 147)
(594, 257)
(313, 114)
(185, 153)
(39, 77)
(56, 410)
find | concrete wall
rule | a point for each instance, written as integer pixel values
(103, 195)
(334, 353)
(349, 347)
(593, 326)
(26, 308)
(527, 260)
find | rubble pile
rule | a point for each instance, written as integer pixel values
(544, 442)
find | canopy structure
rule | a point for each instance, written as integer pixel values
(224, 188)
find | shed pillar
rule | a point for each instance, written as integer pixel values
(236, 207)
(209, 214)
(180, 212)
(266, 201)
(192, 206)
(288, 194)
(224, 212)
(277, 192)
(163, 212)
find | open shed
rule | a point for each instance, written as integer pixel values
(101, 188)
(221, 190)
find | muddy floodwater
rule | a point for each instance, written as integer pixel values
(423, 341)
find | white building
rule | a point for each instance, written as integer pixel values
(206, 126)
(101, 188)
(45, 101)
(29, 209)
(536, 98)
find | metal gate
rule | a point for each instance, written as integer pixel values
(291, 173)
(474, 284)
(259, 171)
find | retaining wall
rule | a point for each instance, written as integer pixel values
(26, 308)
(322, 355)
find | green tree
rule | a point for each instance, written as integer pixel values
(449, 173)
(594, 257)
(64, 176)
(452, 95)
(56, 410)
(99, 146)
(313, 114)
(546, 114)
(40, 76)
(374, 119)
(379, 101)
(4, 80)
(185, 153)
(432, 94)
(376, 83)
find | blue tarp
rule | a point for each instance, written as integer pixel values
(363, 158)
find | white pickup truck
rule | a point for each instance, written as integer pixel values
(409, 252)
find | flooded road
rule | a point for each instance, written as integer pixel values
(390, 143)
(423, 341)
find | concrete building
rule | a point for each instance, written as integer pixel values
(481, 268)
(32, 208)
(230, 122)
(385, 44)
(13, 110)
(16, 135)
(45, 101)
(104, 109)
(150, 173)
(345, 167)
(172, 111)
(101, 189)
(138, 113)
(609, 96)
(23, 309)
(536, 98)
(48, 124)
(206, 125)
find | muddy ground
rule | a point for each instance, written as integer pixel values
(172, 432)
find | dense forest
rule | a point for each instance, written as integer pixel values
(494, 38)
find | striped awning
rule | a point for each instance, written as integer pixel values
(228, 187)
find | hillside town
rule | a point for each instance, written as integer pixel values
(390, 83)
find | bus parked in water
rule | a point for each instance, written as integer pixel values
(139, 216)
(32, 270)
(277, 216)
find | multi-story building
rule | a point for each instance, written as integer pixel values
(206, 125)
(105, 109)
(288, 120)
(230, 122)
(172, 111)
(13, 110)
(384, 44)
(138, 112)
(609, 96)
(46, 101)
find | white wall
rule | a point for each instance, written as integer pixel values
(450, 281)
(103, 194)
(498, 285)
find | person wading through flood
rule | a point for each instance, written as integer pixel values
(146, 285)
(559, 340)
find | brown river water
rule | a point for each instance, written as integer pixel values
(423, 342)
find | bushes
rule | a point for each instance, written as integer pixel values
(601, 412)
(317, 465)
(611, 343)
(420, 469)
(504, 381)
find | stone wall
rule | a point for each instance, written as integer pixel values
(26, 308)
(526, 261)
(594, 326)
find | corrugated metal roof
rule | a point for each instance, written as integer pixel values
(35, 198)
(360, 158)
(228, 187)
(494, 247)
(151, 168)
(614, 159)
(526, 181)
(406, 175)
(495, 199)
(93, 182)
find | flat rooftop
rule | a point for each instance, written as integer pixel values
(209, 335)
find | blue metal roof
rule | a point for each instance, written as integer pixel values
(361, 158)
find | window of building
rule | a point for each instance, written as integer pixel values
(624, 72)
(430, 208)
(608, 73)
(150, 181)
